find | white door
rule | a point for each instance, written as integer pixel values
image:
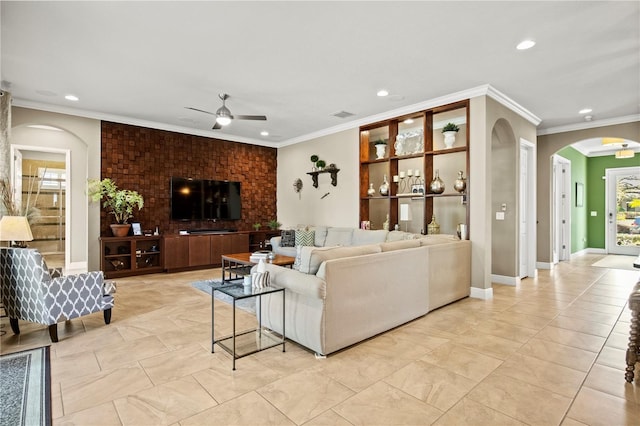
(623, 215)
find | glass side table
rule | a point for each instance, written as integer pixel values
(241, 344)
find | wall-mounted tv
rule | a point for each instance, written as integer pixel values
(202, 199)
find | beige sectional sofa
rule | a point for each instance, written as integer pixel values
(341, 295)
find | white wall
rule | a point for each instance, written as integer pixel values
(341, 206)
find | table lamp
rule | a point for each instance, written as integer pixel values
(16, 229)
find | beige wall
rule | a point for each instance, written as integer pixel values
(340, 207)
(549, 145)
(82, 137)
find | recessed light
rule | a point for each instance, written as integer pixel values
(383, 93)
(525, 44)
(264, 133)
(585, 111)
(71, 98)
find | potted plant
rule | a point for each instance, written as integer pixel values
(449, 131)
(313, 159)
(256, 226)
(118, 202)
(381, 148)
(273, 224)
(320, 164)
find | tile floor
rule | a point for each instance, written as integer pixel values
(550, 351)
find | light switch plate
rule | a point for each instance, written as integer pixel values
(499, 215)
(594, 213)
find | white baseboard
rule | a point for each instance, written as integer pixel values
(503, 279)
(544, 265)
(596, 251)
(481, 293)
(75, 268)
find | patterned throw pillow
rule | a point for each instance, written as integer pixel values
(260, 279)
(288, 238)
(305, 238)
(296, 263)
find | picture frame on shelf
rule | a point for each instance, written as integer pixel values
(137, 229)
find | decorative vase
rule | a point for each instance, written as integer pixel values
(449, 139)
(433, 227)
(384, 187)
(462, 231)
(371, 191)
(120, 230)
(461, 183)
(381, 148)
(437, 185)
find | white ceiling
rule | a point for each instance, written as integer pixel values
(299, 63)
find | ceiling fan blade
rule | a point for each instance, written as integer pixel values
(250, 117)
(201, 110)
(216, 126)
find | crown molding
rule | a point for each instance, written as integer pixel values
(589, 125)
(136, 122)
(500, 97)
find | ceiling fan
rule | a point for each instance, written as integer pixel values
(223, 115)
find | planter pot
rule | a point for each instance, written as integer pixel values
(120, 230)
(380, 151)
(449, 139)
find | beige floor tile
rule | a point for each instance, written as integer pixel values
(102, 415)
(607, 300)
(328, 418)
(571, 357)
(164, 404)
(525, 402)
(522, 320)
(305, 395)
(581, 325)
(597, 307)
(603, 318)
(612, 357)
(618, 341)
(611, 380)
(575, 339)
(88, 391)
(568, 421)
(488, 344)
(168, 366)
(56, 401)
(460, 360)
(547, 375)
(593, 407)
(74, 365)
(506, 330)
(224, 384)
(97, 339)
(128, 351)
(469, 412)
(383, 404)
(247, 410)
(434, 385)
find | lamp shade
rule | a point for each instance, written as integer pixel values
(15, 228)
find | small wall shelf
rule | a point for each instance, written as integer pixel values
(334, 176)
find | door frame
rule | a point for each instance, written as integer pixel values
(528, 211)
(68, 193)
(610, 208)
(561, 207)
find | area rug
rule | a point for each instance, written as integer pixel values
(617, 261)
(248, 304)
(25, 388)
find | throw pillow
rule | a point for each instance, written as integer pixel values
(296, 263)
(288, 238)
(305, 238)
(260, 279)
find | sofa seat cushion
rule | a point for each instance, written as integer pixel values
(400, 245)
(362, 237)
(338, 237)
(312, 257)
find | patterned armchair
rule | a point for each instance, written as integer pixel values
(29, 292)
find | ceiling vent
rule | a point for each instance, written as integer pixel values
(343, 114)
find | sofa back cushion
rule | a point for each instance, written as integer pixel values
(312, 257)
(429, 240)
(321, 235)
(399, 236)
(305, 237)
(361, 237)
(338, 237)
(400, 245)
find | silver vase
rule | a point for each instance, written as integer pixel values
(437, 185)
(461, 183)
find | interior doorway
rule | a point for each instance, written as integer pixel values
(39, 176)
(623, 210)
(561, 207)
(527, 208)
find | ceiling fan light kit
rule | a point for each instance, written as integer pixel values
(624, 152)
(223, 114)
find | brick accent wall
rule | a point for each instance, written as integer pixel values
(143, 160)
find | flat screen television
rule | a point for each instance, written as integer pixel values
(202, 199)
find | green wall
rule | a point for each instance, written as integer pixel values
(590, 231)
(596, 199)
(579, 174)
